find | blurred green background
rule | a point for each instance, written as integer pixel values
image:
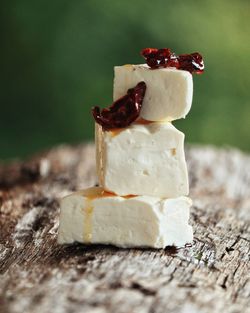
(57, 61)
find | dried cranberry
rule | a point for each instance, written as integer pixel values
(123, 111)
(147, 52)
(191, 62)
(158, 58)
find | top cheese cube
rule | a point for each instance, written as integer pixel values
(169, 91)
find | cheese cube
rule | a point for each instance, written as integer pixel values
(169, 91)
(139, 221)
(142, 159)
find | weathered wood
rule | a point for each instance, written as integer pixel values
(37, 275)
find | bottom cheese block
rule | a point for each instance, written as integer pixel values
(95, 216)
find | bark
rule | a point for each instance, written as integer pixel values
(37, 275)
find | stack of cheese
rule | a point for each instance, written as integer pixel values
(142, 171)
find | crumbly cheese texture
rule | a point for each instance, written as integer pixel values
(142, 160)
(169, 91)
(140, 221)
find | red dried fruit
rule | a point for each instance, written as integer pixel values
(158, 58)
(191, 62)
(147, 52)
(123, 111)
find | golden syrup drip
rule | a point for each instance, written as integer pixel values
(96, 192)
(128, 196)
(141, 121)
(87, 228)
(116, 131)
(91, 194)
(173, 151)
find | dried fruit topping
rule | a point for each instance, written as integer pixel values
(191, 62)
(157, 58)
(123, 111)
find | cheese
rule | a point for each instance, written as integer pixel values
(142, 159)
(169, 91)
(93, 216)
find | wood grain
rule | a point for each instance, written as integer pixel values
(37, 275)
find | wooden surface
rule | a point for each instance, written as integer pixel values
(37, 275)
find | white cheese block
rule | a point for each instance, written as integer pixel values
(169, 91)
(139, 221)
(142, 159)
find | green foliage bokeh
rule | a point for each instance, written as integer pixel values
(58, 58)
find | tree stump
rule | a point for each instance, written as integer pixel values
(38, 275)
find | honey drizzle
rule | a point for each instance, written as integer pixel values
(141, 121)
(91, 194)
(87, 229)
(116, 131)
(173, 151)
